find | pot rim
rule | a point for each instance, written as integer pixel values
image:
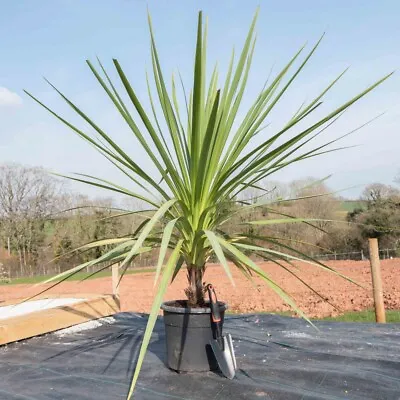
(165, 306)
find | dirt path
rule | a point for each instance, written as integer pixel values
(137, 290)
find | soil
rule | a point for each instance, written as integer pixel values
(137, 291)
(181, 304)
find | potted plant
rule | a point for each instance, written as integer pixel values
(206, 157)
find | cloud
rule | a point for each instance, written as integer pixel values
(9, 98)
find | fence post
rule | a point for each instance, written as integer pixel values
(115, 279)
(376, 280)
(362, 255)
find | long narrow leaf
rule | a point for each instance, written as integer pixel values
(219, 253)
(147, 229)
(166, 276)
(164, 246)
(254, 267)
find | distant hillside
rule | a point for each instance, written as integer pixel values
(351, 205)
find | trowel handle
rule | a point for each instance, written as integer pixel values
(215, 314)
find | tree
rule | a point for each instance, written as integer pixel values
(202, 163)
(381, 219)
(397, 178)
(28, 196)
(85, 220)
(305, 198)
(376, 192)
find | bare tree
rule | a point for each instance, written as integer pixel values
(379, 191)
(397, 178)
(86, 220)
(27, 197)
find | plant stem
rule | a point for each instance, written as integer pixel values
(195, 292)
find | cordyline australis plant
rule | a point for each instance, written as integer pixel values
(205, 159)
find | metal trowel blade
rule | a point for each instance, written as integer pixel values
(225, 357)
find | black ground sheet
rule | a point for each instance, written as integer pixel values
(278, 358)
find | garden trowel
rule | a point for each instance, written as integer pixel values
(221, 345)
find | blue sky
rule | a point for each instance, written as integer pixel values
(54, 38)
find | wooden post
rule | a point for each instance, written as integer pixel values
(376, 280)
(115, 279)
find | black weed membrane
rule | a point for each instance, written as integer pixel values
(278, 358)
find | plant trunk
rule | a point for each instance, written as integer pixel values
(24, 255)
(195, 291)
(20, 262)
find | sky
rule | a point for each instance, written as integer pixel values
(52, 39)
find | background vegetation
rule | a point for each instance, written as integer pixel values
(40, 220)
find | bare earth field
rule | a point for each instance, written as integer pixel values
(137, 290)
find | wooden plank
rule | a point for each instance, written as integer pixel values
(52, 319)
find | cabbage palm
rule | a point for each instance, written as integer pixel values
(205, 158)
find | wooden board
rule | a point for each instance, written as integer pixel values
(53, 319)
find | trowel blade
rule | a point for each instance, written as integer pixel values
(225, 357)
(229, 338)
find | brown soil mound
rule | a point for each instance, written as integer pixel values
(137, 290)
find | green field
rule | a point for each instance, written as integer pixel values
(351, 205)
(77, 277)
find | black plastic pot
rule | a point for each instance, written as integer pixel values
(188, 333)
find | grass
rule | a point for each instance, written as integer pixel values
(79, 276)
(347, 206)
(351, 205)
(392, 316)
